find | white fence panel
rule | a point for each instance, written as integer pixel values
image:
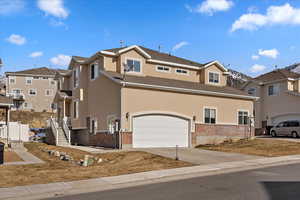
(17, 131)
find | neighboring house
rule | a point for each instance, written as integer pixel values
(150, 99)
(279, 97)
(32, 89)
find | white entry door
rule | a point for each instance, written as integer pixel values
(160, 131)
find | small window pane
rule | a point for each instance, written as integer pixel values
(137, 66)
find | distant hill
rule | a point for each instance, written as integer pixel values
(236, 79)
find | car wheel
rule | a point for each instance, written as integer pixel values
(294, 134)
(273, 134)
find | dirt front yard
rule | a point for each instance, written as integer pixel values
(10, 156)
(55, 170)
(260, 147)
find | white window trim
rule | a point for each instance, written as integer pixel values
(208, 107)
(187, 74)
(255, 91)
(135, 59)
(96, 125)
(158, 70)
(51, 92)
(14, 78)
(215, 72)
(240, 110)
(50, 80)
(16, 89)
(76, 102)
(96, 72)
(276, 85)
(32, 94)
(28, 78)
(77, 71)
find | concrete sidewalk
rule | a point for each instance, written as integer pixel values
(108, 183)
(27, 158)
(200, 156)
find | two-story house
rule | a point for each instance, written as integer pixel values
(151, 99)
(279, 97)
(32, 89)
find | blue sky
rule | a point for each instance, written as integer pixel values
(252, 36)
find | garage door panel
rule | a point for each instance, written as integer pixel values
(278, 119)
(160, 131)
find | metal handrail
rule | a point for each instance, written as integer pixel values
(54, 129)
(66, 130)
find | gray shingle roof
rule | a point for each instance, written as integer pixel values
(156, 55)
(277, 75)
(150, 80)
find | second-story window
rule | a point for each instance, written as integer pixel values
(16, 91)
(94, 71)
(48, 92)
(133, 65)
(273, 90)
(182, 71)
(32, 92)
(76, 77)
(162, 68)
(214, 77)
(12, 80)
(28, 80)
(252, 91)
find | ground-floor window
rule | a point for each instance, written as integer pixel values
(210, 115)
(243, 117)
(93, 126)
(76, 109)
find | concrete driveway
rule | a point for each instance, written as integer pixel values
(282, 138)
(199, 156)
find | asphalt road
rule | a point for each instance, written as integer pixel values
(281, 182)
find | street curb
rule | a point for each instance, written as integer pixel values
(114, 181)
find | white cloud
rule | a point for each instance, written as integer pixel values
(11, 6)
(257, 68)
(272, 53)
(53, 7)
(275, 15)
(211, 6)
(36, 54)
(255, 57)
(16, 39)
(189, 8)
(61, 60)
(180, 45)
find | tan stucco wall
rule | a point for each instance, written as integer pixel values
(149, 69)
(83, 103)
(40, 101)
(144, 100)
(104, 101)
(269, 107)
(214, 68)
(257, 104)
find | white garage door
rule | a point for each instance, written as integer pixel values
(276, 120)
(160, 131)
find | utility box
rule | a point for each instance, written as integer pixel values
(1, 153)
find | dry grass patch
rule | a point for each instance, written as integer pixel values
(10, 156)
(259, 147)
(55, 170)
